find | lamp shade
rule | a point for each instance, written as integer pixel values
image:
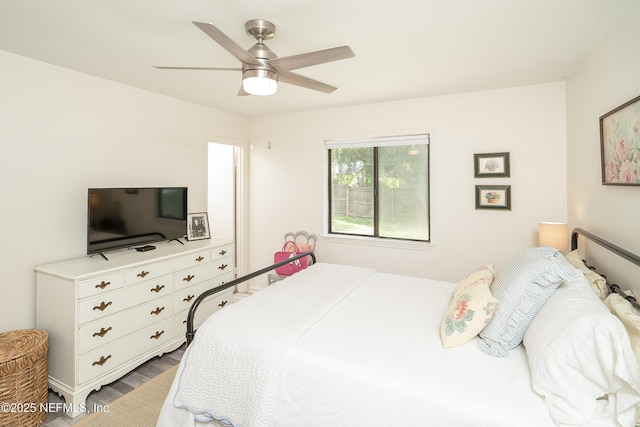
(554, 234)
(259, 82)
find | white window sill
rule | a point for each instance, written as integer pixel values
(376, 242)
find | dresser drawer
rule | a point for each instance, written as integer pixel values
(117, 353)
(100, 285)
(222, 251)
(110, 328)
(161, 268)
(114, 302)
(183, 298)
(205, 309)
(199, 274)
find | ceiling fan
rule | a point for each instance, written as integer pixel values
(261, 68)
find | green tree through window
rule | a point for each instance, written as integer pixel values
(380, 187)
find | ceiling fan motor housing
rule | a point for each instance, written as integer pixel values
(260, 73)
(261, 30)
(262, 52)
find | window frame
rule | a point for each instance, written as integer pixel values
(424, 139)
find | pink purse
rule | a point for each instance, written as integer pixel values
(289, 250)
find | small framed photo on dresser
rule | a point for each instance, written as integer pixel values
(198, 226)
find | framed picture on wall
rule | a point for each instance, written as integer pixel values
(493, 197)
(198, 226)
(490, 165)
(619, 146)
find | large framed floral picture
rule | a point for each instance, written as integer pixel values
(620, 144)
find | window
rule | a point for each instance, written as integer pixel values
(172, 203)
(379, 187)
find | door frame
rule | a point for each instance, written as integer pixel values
(241, 196)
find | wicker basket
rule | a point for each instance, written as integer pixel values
(23, 377)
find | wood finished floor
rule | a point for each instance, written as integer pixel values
(111, 392)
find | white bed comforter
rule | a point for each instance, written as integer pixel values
(362, 350)
(232, 370)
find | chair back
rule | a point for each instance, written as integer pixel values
(305, 241)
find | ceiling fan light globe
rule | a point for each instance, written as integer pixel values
(259, 86)
(260, 82)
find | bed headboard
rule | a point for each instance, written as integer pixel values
(617, 250)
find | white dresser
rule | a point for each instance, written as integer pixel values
(106, 317)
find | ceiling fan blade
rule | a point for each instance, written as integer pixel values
(223, 40)
(302, 60)
(162, 67)
(306, 82)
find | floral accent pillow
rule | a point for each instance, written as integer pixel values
(470, 309)
(483, 274)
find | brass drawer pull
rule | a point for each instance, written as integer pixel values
(102, 285)
(102, 332)
(142, 274)
(222, 267)
(156, 335)
(222, 252)
(158, 288)
(157, 311)
(101, 361)
(102, 305)
(200, 258)
(188, 278)
(188, 298)
(222, 304)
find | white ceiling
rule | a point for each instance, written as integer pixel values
(404, 48)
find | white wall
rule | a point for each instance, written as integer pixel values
(62, 132)
(608, 78)
(287, 180)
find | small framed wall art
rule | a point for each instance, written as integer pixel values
(491, 165)
(198, 226)
(493, 197)
(619, 144)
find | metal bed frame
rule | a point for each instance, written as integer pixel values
(194, 306)
(633, 258)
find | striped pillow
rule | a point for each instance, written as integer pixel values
(521, 289)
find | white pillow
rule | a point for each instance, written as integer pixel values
(581, 359)
(628, 315)
(596, 281)
(630, 318)
(524, 285)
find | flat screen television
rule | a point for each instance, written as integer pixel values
(126, 217)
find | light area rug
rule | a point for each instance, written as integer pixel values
(140, 407)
